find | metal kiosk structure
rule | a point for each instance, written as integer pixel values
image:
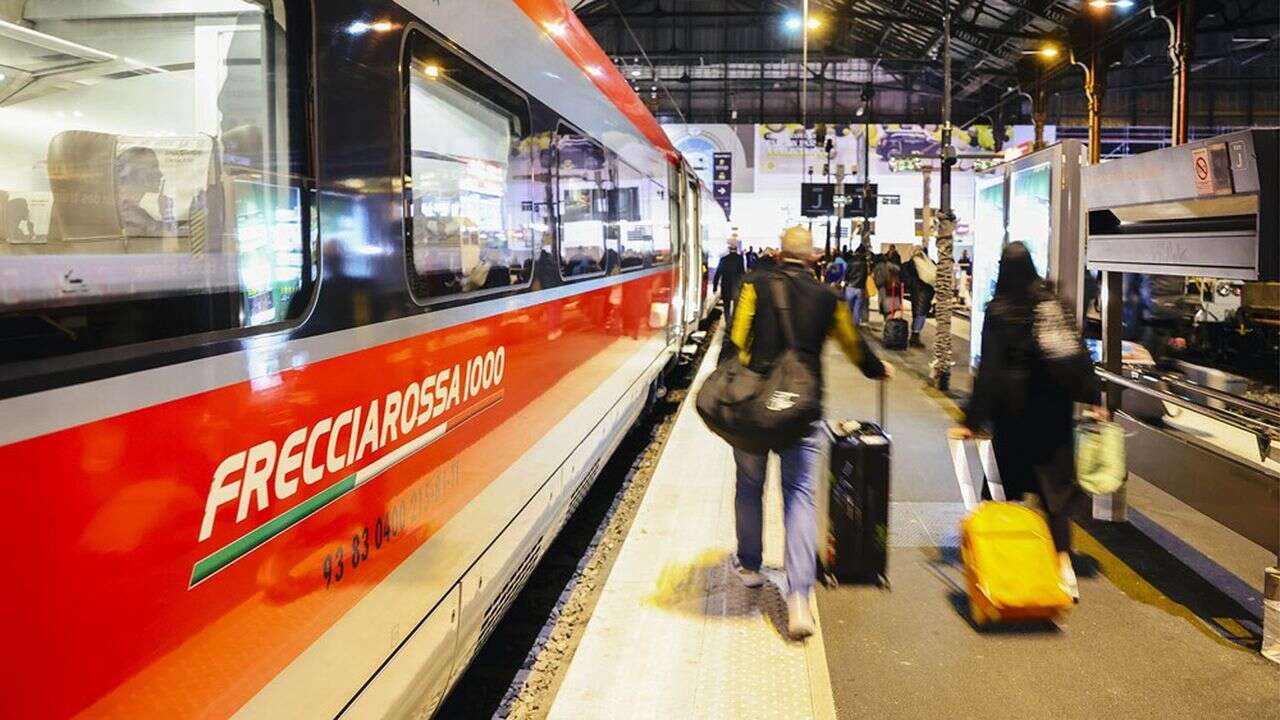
(1205, 212)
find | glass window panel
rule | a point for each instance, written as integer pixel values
(153, 177)
(472, 217)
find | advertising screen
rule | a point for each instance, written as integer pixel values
(988, 242)
(1029, 217)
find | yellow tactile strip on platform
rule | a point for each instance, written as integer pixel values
(675, 634)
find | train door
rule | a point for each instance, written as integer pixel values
(692, 269)
(679, 207)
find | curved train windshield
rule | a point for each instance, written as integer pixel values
(153, 172)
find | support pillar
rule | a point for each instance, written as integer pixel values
(944, 295)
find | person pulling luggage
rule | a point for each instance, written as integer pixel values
(814, 313)
(1033, 367)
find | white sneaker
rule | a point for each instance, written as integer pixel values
(750, 578)
(1068, 575)
(800, 622)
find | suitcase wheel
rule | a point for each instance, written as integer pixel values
(975, 612)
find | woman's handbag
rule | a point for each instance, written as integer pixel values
(757, 412)
(1100, 461)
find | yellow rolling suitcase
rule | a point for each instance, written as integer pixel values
(1010, 565)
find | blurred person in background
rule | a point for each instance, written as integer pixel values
(855, 282)
(918, 275)
(816, 313)
(728, 279)
(1034, 368)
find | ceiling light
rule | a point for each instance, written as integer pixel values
(814, 23)
(792, 22)
(635, 72)
(1048, 51)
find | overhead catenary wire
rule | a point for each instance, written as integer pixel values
(657, 80)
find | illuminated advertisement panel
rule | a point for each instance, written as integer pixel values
(988, 241)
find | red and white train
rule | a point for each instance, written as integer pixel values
(316, 320)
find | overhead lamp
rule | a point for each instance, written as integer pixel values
(814, 22)
(1046, 51)
(1104, 4)
(635, 72)
(792, 22)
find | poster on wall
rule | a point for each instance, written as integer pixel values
(786, 149)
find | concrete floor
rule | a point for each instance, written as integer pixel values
(1168, 625)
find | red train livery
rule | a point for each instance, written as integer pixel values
(316, 322)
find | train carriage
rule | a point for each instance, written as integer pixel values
(316, 321)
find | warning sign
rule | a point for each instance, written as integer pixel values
(1212, 168)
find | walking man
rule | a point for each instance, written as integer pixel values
(817, 313)
(728, 279)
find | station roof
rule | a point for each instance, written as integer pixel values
(726, 60)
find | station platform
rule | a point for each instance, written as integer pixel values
(1168, 625)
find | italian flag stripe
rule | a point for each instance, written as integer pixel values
(254, 538)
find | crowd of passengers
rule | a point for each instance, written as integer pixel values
(1023, 394)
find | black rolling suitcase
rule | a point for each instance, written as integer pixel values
(896, 330)
(855, 545)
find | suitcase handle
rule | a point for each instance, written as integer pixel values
(882, 400)
(970, 487)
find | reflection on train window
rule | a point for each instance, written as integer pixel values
(153, 174)
(471, 216)
(588, 225)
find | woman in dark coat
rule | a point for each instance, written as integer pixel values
(1034, 367)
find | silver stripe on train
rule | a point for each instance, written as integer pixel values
(265, 355)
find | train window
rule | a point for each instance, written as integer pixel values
(585, 177)
(154, 173)
(473, 213)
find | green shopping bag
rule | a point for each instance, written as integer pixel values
(1100, 464)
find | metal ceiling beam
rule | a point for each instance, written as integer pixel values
(660, 17)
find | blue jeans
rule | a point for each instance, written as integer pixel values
(857, 297)
(800, 466)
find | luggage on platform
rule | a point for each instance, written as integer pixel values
(896, 330)
(761, 412)
(854, 544)
(1010, 566)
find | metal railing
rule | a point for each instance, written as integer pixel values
(1264, 430)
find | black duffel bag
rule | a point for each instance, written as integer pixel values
(757, 412)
